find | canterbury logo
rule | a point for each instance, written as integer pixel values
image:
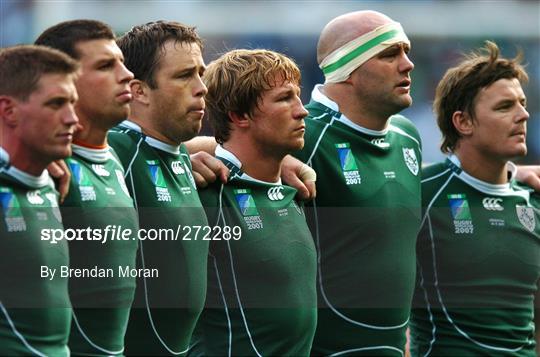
(492, 204)
(34, 198)
(380, 143)
(100, 170)
(274, 193)
(177, 168)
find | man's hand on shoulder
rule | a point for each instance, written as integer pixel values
(300, 176)
(59, 171)
(529, 175)
(207, 169)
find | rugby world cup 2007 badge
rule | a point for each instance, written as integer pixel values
(348, 164)
(409, 155)
(461, 213)
(86, 188)
(156, 175)
(248, 209)
(526, 217)
(13, 216)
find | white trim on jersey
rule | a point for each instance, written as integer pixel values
(400, 131)
(130, 165)
(318, 96)
(436, 278)
(231, 261)
(149, 310)
(319, 139)
(30, 180)
(229, 156)
(20, 336)
(341, 353)
(488, 188)
(94, 155)
(155, 143)
(219, 218)
(91, 343)
(436, 176)
(229, 326)
(323, 293)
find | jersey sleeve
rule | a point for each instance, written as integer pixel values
(210, 200)
(123, 145)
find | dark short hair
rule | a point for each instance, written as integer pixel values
(459, 87)
(142, 46)
(65, 35)
(237, 80)
(21, 68)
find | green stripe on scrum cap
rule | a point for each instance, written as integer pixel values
(359, 50)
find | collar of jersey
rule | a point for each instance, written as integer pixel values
(235, 165)
(485, 187)
(4, 158)
(29, 180)
(95, 155)
(155, 143)
(318, 96)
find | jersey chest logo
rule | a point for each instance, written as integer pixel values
(100, 170)
(461, 213)
(409, 155)
(86, 188)
(348, 164)
(249, 210)
(492, 204)
(156, 175)
(274, 193)
(526, 217)
(34, 198)
(380, 143)
(176, 167)
(13, 216)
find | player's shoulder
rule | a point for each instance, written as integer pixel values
(534, 195)
(319, 115)
(123, 142)
(434, 177)
(404, 126)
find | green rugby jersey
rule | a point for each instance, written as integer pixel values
(167, 307)
(262, 297)
(35, 311)
(364, 220)
(98, 198)
(479, 266)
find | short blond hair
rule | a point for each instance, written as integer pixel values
(237, 80)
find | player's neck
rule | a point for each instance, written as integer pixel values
(25, 160)
(256, 163)
(90, 133)
(149, 129)
(354, 110)
(486, 169)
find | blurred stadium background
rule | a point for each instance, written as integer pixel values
(440, 32)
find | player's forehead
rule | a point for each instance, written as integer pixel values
(54, 85)
(279, 83)
(174, 55)
(94, 50)
(504, 89)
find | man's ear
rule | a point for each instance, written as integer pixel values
(8, 111)
(139, 91)
(463, 123)
(239, 120)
